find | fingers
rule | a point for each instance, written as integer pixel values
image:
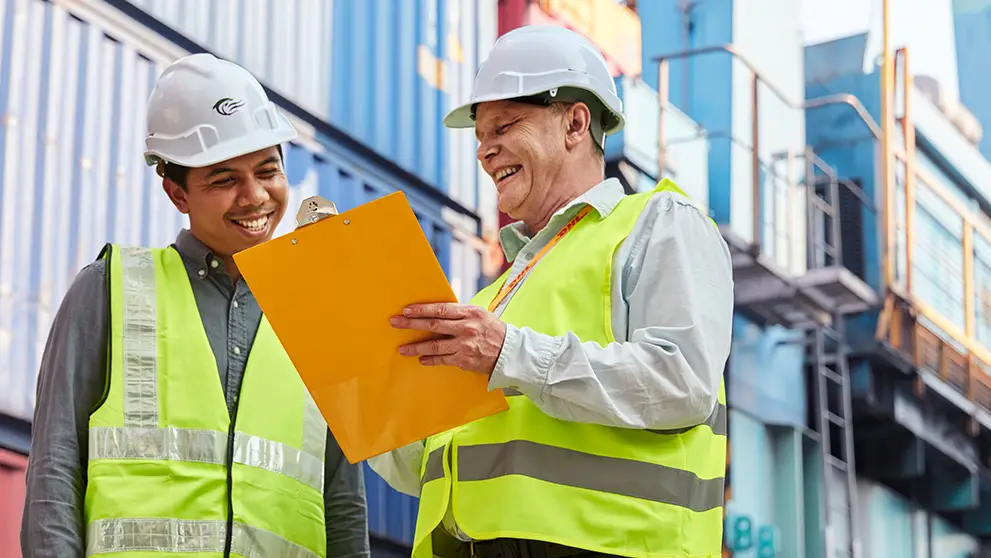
(440, 360)
(442, 310)
(433, 347)
(444, 327)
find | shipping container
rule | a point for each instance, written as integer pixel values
(383, 71)
(74, 78)
(12, 471)
(74, 91)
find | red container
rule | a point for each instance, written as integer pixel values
(13, 467)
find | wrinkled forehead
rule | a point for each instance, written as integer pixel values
(493, 114)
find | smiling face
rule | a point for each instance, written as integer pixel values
(235, 204)
(522, 147)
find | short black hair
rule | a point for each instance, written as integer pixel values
(179, 174)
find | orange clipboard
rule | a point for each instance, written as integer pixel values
(328, 289)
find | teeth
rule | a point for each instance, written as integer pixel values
(254, 224)
(503, 173)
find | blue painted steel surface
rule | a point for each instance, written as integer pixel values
(383, 71)
(699, 85)
(972, 34)
(391, 514)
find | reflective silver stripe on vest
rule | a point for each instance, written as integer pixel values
(435, 466)
(314, 429)
(178, 535)
(568, 467)
(205, 446)
(142, 439)
(716, 420)
(139, 344)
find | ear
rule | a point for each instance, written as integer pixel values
(577, 121)
(177, 194)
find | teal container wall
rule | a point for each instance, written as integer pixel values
(766, 379)
(776, 488)
(894, 527)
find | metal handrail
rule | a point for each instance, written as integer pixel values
(663, 87)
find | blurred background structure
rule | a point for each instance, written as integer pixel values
(853, 189)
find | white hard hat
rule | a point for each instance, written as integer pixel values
(552, 63)
(205, 110)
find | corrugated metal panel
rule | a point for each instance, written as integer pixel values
(391, 515)
(70, 148)
(385, 72)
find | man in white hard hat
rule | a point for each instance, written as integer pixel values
(608, 335)
(169, 418)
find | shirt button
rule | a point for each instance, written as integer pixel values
(237, 350)
(235, 304)
(201, 273)
(214, 264)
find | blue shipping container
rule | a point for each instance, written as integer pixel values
(384, 71)
(74, 79)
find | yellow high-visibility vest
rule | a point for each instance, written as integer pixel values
(522, 474)
(169, 474)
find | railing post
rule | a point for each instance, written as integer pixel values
(755, 146)
(663, 83)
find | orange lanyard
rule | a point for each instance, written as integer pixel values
(508, 288)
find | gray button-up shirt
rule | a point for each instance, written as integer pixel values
(70, 386)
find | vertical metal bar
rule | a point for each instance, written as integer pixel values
(663, 94)
(968, 279)
(810, 215)
(909, 129)
(755, 145)
(789, 205)
(834, 220)
(887, 81)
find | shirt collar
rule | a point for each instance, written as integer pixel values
(603, 197)
(191, 249)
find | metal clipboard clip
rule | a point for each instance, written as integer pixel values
(314, 209)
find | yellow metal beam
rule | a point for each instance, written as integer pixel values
(887, 185)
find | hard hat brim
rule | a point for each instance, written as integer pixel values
(461, 117)
(231, 149)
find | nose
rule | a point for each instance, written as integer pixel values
(487, 149)
(252, 192)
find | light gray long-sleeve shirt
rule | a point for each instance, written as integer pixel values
(672, 316)
(70, 386)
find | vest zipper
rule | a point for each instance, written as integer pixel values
(230, 475)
